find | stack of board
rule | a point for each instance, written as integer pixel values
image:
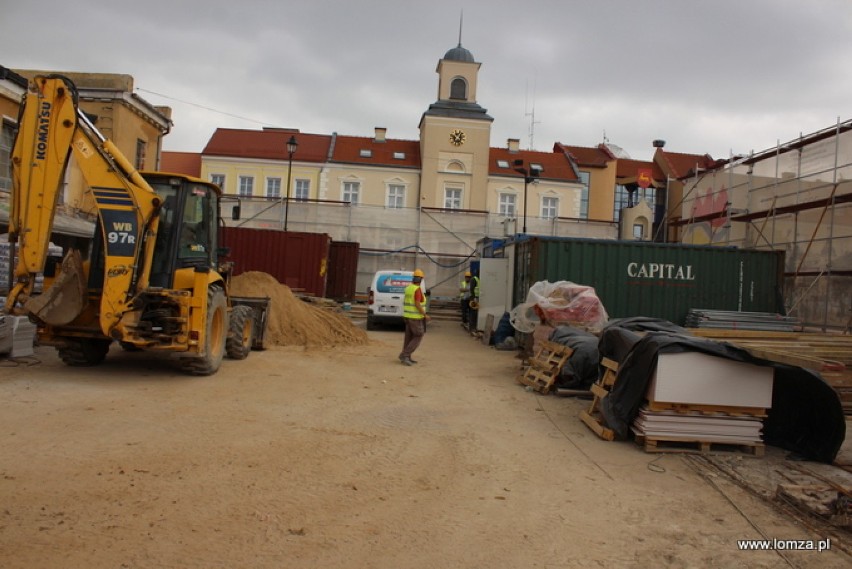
(23, 336)
(697, 401)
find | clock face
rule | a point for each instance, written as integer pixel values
(457, 137)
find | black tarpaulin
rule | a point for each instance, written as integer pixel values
(806, 415)
(581, 369)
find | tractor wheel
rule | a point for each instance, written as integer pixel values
(240, 333)
(83, 353)
(214, 338)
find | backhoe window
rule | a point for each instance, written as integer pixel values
(195, 232)
(187, 231)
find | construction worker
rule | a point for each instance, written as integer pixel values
(464, 298)
(473, 303)
(414, 314)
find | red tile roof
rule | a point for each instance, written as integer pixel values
(347, 149)
(682, 165)
(269, 144)
(588, 157)
(188, 163)
(630, 168)
(556, 165)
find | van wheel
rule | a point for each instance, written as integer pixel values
(371, 325)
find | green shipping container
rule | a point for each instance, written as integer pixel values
(653, 279)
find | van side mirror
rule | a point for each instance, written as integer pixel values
(235, 212)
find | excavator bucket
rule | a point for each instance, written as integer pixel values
(66, 298)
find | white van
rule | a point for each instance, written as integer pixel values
(386, 296)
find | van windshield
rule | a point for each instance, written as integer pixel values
(393, 283)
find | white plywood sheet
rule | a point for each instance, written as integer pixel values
(700, 379)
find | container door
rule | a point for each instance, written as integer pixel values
(493, 290)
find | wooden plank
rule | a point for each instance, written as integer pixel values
(603, 432)
(707, 409)
(600, 389)
(686, 445)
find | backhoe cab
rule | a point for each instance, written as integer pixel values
(151, 279)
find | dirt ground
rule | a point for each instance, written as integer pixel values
(345, 458)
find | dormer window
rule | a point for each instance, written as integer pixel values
(399, 155)
(366, 153)
(536, 168)
(502, 163)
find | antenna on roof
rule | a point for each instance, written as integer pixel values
(461, 22)
(531, 114)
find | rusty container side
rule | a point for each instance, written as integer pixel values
(298, 260)
(342, 270)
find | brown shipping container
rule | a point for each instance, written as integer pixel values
(342, 270)
(298, 260)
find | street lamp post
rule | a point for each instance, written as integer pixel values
(530, 175)
(292, 145)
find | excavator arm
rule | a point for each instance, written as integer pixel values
(51, 129)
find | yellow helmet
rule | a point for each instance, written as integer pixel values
(419, 273)
(467, 273)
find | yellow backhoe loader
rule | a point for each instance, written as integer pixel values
(151, 279)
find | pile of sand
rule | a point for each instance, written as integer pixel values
(294, 322)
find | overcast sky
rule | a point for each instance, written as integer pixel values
(711, 76)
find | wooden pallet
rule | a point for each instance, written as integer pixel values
(592, 417)
(545, 365)
(686, 445)
(757, 412)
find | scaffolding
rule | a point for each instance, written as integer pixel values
(795, 197)
(441, 242)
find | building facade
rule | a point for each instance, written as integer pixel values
(796, 197)
(136, 127)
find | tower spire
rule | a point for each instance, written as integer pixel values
(461, 23)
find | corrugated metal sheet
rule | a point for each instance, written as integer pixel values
(342, 270)
(298, 260)
(652, 279)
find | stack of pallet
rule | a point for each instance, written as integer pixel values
(828, 354)
(699, 402)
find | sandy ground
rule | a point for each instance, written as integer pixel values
(345, 458)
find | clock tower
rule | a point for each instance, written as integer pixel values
(455, 138)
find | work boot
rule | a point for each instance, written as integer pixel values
(406, 361)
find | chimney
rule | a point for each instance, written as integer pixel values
(380, 134)
(659, 143)
(513, 144)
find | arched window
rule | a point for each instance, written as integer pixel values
(455, 166)
(458, 89)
